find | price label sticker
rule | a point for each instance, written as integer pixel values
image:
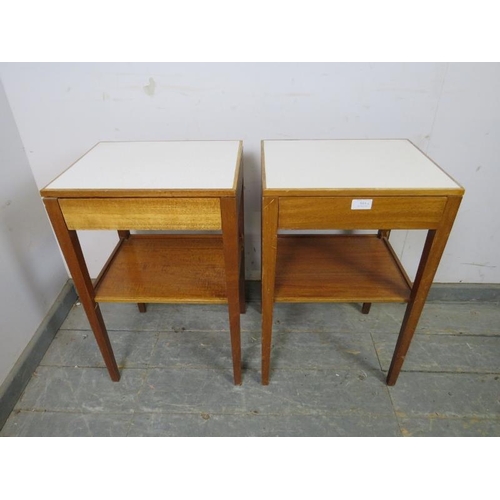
(361, 204)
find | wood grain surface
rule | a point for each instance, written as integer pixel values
(145, 213)
(338, 268)
(336, 213)
(166, 269)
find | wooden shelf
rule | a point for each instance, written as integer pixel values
(165, 269)
(339, 268)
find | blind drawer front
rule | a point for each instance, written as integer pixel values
(361, 213)
(142, 213)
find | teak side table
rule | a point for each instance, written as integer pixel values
(350, 185)
(193, 186)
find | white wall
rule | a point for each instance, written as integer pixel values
(449, 110)
(31, 270)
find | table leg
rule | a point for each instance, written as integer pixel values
(230, 239)
(71, 249)
(382, 233)
(122, 233)
(269, 250)
(431, 255)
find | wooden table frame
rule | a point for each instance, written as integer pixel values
(207, 268)
(289, 262)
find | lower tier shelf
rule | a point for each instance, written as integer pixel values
(165, 269)
(339, 268)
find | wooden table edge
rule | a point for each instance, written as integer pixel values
(361, 192)
(138, 193)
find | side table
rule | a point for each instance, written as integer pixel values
(350, 185)
(194, 186)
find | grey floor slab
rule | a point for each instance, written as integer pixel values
(469, 395)
(341, 392)
(328, 369)
(298, 392)
(443, 353)
(116, 317)
(170, 425)
(194, 349)
(164, 317)
(201, 317)
(450, 427)
(446, 317)
(461, 318)
(205, 424)
(469, 318)
(60, 424)
(294, 350)
(81, 389)
(327, 317)
(191, 391)
(79, 348)
(323, 350)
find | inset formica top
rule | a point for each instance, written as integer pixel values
(393, 164)
(164, 167)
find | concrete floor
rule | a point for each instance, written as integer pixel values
(328, 369)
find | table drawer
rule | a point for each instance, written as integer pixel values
(389, 212)
(142, 213)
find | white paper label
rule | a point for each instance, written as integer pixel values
(361, 204)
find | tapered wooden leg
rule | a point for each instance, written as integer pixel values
(431, 255)
(366, 307)
(71, 249)
(125, 234)
(230, 239)
(382, 233)
(269, 249)
(241, 235)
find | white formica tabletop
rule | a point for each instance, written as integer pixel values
(168, 165)
(351, 164)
